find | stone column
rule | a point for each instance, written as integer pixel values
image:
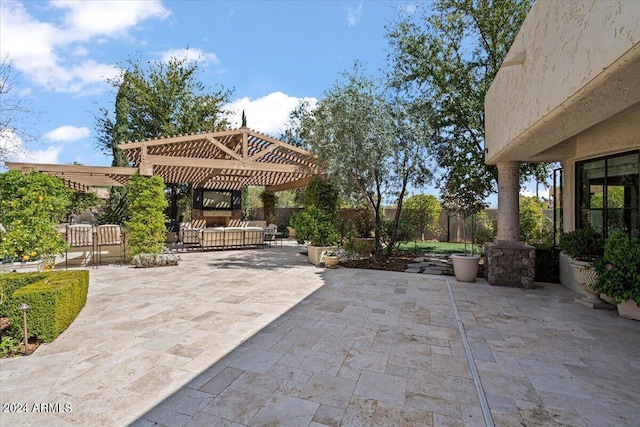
(507, 261)
(508, 202)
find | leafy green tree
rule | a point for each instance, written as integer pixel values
(163, 99)
(145, 211)
(322, 194)
(30, 208)
(531, 217)
(446, 57)
(423, 211)
(371, 144)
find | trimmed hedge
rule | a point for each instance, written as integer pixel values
(54, 300)
(11, 282)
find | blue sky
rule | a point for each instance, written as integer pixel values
(271, 53)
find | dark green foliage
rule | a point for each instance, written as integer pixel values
(269, 203)
(321, 194)
(146, 222)
(313, 225)
(404, 232)
(583, 244)
(246, 206)
(11, 282)
(54, 302)
(619, 268)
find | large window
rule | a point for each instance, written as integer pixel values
(608, 194)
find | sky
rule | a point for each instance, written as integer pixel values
(271, 54)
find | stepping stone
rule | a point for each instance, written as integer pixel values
(412, 270)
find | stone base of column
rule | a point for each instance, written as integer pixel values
(509, 264)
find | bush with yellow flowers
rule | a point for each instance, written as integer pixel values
(30, 207)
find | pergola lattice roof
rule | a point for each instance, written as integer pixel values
(218, 160)
(223, 160)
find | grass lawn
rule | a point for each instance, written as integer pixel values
(435, 247)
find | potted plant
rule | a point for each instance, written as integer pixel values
(331, 259)
(464, 201)
(316, 229)
(618, 273)
(584, 246)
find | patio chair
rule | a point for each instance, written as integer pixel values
(110, 235)
(79, 235)
(270, 234)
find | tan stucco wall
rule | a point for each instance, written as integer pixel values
(582, 65)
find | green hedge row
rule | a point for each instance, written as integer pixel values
(54, 299)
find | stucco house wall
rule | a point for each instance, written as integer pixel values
(581, 66)
(568, 91)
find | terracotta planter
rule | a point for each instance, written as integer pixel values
(465, 267)
(331, 261)
(586, 276)
(629, 310)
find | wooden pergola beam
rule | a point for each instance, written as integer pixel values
(221, 164)
(292, 185)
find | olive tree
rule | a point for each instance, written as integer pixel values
(370, 142)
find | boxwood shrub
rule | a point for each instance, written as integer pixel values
(54, 300)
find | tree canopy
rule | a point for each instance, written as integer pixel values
(371, 142)
(161, 99)
(447, 56)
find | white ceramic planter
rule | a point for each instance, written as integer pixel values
(629, 310)
(465, 267)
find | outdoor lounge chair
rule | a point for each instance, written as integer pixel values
(79, 235)
(109, 235)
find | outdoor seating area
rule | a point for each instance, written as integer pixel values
(246, 235)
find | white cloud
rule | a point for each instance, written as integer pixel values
(354, 14)
(268, 114)
(12, 149)
(68, 133)
(190, 55)
(46, 52)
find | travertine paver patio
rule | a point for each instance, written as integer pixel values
(264, 338)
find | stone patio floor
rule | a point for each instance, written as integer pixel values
(261, 337)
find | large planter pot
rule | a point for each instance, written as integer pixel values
(465, 267)
(629, 310)
(365, 245)
(331, 261)
(586, 276)
(316, 252)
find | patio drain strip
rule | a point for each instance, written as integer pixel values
(486, 413)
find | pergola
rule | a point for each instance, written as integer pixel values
(216, 160)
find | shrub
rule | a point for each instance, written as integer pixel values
(583, 244)
(619, 269)
(147, 203)
(54, 302)
(30, 207)
(154, 260)
(312, 225)
(11, 282)
(486, 229)
(423, 211)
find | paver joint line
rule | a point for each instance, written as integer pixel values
(486, 412)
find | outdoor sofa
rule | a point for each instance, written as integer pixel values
(221, 237)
